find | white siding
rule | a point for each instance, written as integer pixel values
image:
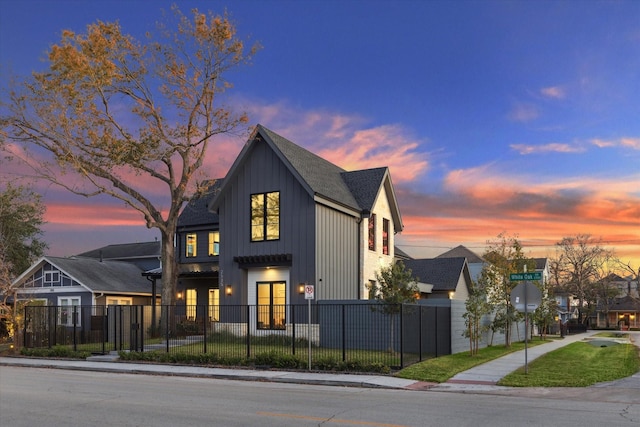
(373, 261)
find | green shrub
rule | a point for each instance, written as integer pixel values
(57, 351)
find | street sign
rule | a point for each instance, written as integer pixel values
(526, 297)
(517, 277)
(308, 292)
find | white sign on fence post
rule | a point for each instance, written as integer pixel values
(309, 293)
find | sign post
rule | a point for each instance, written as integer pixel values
(309, 294)
(526, 297)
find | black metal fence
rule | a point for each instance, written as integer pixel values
(393, 336)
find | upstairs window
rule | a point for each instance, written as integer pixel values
(372, 232)
(51, 277)
(265, 216)
(385, 236)
(191, 247)
(214, 243)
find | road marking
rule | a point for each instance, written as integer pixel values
(332, 420)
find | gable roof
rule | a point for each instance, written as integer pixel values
(462, 252)
(323, 180)
(111, 277)
(125, 250)
(442, 273)
(196, 211)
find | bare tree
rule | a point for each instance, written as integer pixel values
(579, 264)
(131, 119)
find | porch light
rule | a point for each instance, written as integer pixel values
(451, 294)
(301, 288)
(179, 295)
(632, 317)
(228, 290)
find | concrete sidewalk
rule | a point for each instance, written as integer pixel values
(479, 379)
(487, 375)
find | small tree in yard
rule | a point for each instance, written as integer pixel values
(114, 116)
(21, 216)
(477, 307)
(394, 286)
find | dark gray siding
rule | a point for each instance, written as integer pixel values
(264, 172)
(202, 245)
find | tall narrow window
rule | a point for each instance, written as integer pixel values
(214, 305)
(385, 236)
(271, 305)
(191, 300)
(192, 244)
(265, 216)
(214, 243)
(372, 232)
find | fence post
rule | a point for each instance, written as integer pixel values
(248, 331)
(141, 307)
(401, 336)
(205, 316)
(437, 332)
(419, 333)
(344, 333)
(75, 323)
(24, 328)
(166, 326)
(293, 329)
(105, 328)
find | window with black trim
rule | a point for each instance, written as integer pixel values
(192, 245)
(372, 232)
(265, 216)
(214, 243)
(385, 236)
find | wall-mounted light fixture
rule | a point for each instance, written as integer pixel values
(179, 295)
(301, 288)
(451, 294)
(228, 290)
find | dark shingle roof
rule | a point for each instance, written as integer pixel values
(103, 276)
(365, 185)
(323, 177)
(462, 252)
(196, 211)
(442, 273)
(125, 250)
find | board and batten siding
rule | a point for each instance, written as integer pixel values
(264, 172)
(337, 254)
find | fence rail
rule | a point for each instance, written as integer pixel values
(393, 336)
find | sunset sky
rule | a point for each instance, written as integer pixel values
(514, 116)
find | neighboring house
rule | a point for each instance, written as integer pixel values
(622, 313)
(145, 255)
(620, 307)
(475, 262)
(441, 278)
(79, 281)
(288, 218)
(197, 252)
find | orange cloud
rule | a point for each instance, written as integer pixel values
(345, 140)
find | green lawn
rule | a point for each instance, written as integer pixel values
(442, 368)
(577, 365)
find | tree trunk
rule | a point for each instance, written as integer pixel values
(169, 270)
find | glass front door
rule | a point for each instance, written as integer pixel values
(272, 301)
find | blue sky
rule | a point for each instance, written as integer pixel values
(516, 116)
